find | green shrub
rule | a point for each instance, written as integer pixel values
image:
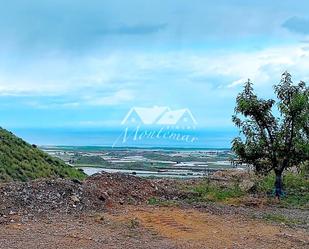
(304, 169)
(213, 192)
(153, 201)
(296, 189)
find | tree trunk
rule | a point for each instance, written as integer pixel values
(278, 184)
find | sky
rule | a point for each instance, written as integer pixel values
(84, 64)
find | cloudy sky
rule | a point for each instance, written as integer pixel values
(86, 63)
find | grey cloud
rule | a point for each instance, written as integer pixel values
(74, 26)
(80, 26)
(297, 25)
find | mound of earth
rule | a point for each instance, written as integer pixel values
(20, 161)
(44, 196)
(98, 192)
(121, 188)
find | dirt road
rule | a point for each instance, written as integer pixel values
(150, 227)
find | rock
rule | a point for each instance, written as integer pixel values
(246, 185)
(75, 199)
(109, 191)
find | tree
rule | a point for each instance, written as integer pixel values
(272, 142)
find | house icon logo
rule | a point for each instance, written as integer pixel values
(157, 126)
(160, 116)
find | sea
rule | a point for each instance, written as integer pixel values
(120, 137)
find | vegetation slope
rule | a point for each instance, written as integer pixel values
(20, 161)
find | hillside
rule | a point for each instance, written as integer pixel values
(21, 161)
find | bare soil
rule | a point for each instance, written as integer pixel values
(111, 211)
(149, 227)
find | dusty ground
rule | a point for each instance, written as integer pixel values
(110, 211)
(150, 227)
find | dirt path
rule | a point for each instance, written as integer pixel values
(150, 227)
(99, 231)
(196, 229)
